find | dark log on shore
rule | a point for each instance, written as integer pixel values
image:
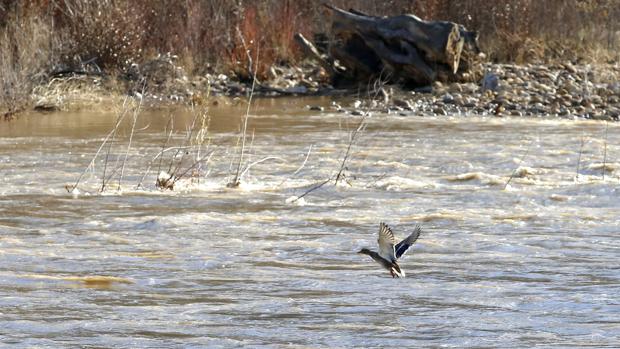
(404, 49)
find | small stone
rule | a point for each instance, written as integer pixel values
(595, 99)
(448, 98)
(570, 68)
(510, 106)
(469, 88)
(297, 90)
(600, 116)
(456, 87)
(46, 107)
(538, 108)
(536, 99)
(439, 111)
(403, 103)
(585, 102)
(424, 89)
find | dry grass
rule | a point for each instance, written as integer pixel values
(26, 50)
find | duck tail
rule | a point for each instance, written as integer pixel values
(396, 271)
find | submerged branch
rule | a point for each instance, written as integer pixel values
(313, 189)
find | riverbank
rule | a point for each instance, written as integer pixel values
(58, 56)
(534, 90)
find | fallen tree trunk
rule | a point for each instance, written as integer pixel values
(402, 48)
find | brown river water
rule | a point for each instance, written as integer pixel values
(531, 264)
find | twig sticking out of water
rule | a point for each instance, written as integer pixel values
(514, 172)
(136, 112)
(201, 136)
(170, 125)
(195, 137)
(236, 179)
(605, 151)
(91, 165)
(340, 175)
(108, 140)
(378, 88)
(175, 178)
(119, 119)
(305, 160)
(300, 166)
(157, 156)
(258, 162)
(579, 158)
(251, 70)
(186, 142)
(361, 126)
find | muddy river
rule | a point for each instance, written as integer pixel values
(520, 245)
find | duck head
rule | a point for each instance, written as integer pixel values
(364, 251)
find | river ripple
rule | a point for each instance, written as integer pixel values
(532, 264)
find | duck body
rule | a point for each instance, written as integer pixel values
(389, 252)
(393, 267)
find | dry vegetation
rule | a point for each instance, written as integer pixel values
(42, 38)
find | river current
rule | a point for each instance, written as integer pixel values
(520, 244)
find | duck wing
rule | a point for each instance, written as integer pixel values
(404, 245)
(386, 243)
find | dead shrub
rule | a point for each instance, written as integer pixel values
(109, 32)
(26, 50)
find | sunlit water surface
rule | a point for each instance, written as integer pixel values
(534, 263)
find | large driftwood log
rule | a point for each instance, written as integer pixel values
(401, 48)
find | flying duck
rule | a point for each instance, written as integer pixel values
(390, 253)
